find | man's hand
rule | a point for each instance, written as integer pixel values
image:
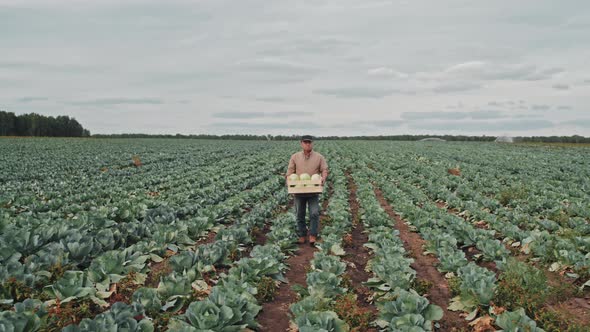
(323, 180)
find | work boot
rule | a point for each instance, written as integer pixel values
(301, 240)
(312, 240)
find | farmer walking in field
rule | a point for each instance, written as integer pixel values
(310, 162)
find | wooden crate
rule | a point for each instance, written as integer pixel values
(311, 186)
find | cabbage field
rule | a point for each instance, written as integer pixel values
(200, 235)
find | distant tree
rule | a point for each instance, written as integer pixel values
(34, 124)
(7, 124)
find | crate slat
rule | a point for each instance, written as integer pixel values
(310, 187)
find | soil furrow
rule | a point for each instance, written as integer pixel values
(275, 316)
(357, 255)
(424, 265)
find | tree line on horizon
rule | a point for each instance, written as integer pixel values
(33, 124)
(463, 138)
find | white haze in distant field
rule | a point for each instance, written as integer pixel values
(333, 67)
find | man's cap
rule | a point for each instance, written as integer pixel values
(307, 138)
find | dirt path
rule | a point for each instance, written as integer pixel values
(358, 254)
(275, 315)
(424, 266)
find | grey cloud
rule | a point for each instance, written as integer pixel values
(578, 21)
(456, 87)
(271, 99)
(258, 115)
(507, 103)
(491, 71)
(356, 92)
(10, 64)
(273, 71)
(49, 67)
(266, 125)
(319, 45)
(386, 72)
(525, 116)
(365, 125)
(544, 74)
(185, 76)
(561, 86)
(540, 107)
(476, 115)
(289, 113)
(434, 115)
(483, 126)
(581, 123)
(238, 115)
(386, 123)
(118, 101)
(487, 114)
(31, 99)
(322, 45)
(279, 79)
(275, 65)
(200, 51)
(459, 105)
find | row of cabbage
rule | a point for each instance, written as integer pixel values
(232, 304)
(445, 235)
(174, 290)
(127, 203)
(113, 265)
(93, 241)
(313, 312)
(546, 240)
(551, 177)
(65, 189)
(400, 307)
(187, 279)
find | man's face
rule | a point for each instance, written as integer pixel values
(306, 145)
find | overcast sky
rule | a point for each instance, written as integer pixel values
(325, 67)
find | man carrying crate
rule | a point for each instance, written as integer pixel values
(310, 162)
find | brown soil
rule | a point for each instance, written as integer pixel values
(575, 310)
(209, 239)
(157, 270)
(275, 315)
(358, 255)
(424, 266)
(259, 235)
(454, 171)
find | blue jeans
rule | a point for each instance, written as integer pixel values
(313, 203)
